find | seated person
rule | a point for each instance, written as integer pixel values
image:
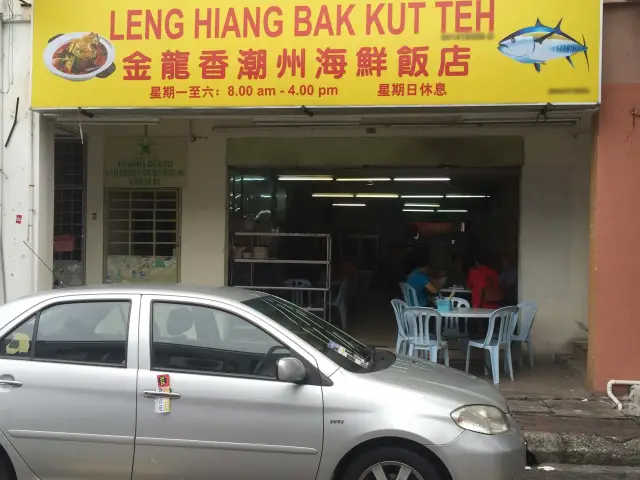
(422, 284)
(484, 284)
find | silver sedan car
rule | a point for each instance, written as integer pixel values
(151, 382)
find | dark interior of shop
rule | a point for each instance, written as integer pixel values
(380, 221)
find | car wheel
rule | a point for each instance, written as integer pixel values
(6, 472)
(391, 463)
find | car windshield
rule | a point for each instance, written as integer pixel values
(344, 350)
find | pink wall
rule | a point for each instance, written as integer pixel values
(614, 309)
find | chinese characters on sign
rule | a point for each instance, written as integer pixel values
(334, 63)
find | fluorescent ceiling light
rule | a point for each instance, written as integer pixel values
(107, 121)
(265, 195)
(467, 196)
(416, 210)
(305, 178)
(422, 179)
(453, 211)
(427, 205)
(380, 179)
(377, 195)
(349, 205)
(333, 195)
(250, 179)
(422, 196)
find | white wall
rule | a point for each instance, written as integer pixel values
(554, 236)
(26, 166)
(554, 222)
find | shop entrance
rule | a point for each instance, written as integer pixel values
(381, 221)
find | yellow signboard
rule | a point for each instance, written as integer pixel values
(190, 53)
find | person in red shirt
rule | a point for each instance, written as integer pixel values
(484, 283)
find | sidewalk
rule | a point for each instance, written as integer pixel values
(575, 431)
(563, 423)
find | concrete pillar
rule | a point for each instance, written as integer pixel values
(614, 320)
(26, 167)
(94, 219)
(204, 211)
(554, 245)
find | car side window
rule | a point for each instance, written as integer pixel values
(19, 342)
(199, 339)
(91, 332)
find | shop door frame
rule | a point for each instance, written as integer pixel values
(84, 189)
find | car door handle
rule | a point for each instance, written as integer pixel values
(154, 394)
(10, 383)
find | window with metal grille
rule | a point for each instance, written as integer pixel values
(142, 222)
(69, 185)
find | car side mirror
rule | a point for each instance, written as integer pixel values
(291, 370)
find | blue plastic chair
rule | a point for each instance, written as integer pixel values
(419, 320)
(492, 344)
(409, 294)
(525, 320)
(405, 335)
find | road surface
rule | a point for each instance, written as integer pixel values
(577, 472)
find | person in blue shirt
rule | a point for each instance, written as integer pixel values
(421, 282)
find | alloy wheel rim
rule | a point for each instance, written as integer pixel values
(390, 471)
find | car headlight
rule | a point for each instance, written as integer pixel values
(483, 419)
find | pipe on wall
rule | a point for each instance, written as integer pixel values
(610, 394)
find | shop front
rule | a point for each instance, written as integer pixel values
(263, 144)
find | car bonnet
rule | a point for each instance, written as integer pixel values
(441, 381)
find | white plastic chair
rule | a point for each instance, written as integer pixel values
(507, 317)
(451, 328)
(405, 336)
(419, 320)
(340, 303)
(525, 320)
(409, 294)
(298, 296)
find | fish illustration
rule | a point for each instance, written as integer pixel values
(540, 43)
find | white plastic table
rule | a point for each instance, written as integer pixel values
(468, 313)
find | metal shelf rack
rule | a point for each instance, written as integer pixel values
(264, 239)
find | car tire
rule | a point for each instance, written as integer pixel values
(400, 455)
(6, 472)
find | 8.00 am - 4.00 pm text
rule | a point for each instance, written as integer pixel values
(195, 92)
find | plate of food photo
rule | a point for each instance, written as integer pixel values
(80, 56)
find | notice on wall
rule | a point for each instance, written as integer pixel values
(147, 162)
(141, 269)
